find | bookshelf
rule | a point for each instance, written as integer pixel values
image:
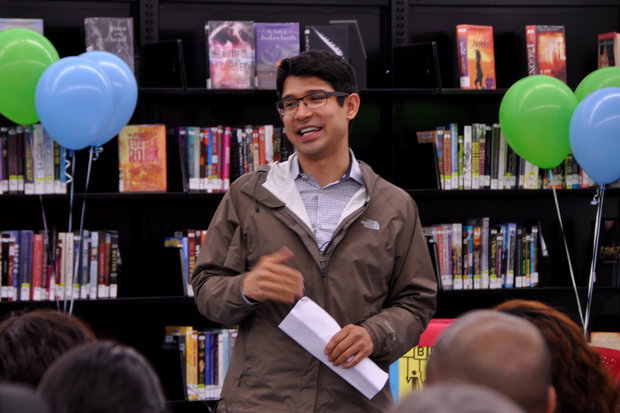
(389, 118)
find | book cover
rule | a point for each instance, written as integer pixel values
(476, 55)
(608, 259)
(546, 51)
(32, 24)
(142, 158)
(333, 38)
(274, 42)
(111, 34)
(231, 54)
(608, 49)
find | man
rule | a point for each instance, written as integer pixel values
(324, 225)
(497, 350)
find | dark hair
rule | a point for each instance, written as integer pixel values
(581, 382)
(103, 377)
(456, 397)
(31, 341)
(20, 398)
(322, 64)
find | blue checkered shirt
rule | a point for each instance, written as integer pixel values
(325, 204)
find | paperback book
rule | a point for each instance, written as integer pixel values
(231, 52)
(546, 51)
(111, 34)
(333, 38)
(32, 24)
(608, 49)
(142, 158)
(274, 42)
(476, 55)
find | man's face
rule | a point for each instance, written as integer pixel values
(320, 132)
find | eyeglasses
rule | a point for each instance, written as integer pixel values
(312, 101)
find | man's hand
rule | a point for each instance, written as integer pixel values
(349, 346)
(271, 279)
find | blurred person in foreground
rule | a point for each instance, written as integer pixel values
(503, 352)
(581, 382)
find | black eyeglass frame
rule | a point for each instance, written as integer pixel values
(280, 104)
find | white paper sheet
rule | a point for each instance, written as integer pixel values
(312, 327)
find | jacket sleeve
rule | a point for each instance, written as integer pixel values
(412, 296)
(220, 268)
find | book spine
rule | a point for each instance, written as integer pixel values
(467, 157)
(114, 263)
(93, 277)
(226, 159)
(532, 59)
(29, 154)
(85, 265)
(461, 38)
(37, 267)
(38, 148)
(26, 260)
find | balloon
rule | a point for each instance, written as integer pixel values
(124, 88)
(600, 78)
(74, 101)
(595, 134)
(24, 56)
(534, 116)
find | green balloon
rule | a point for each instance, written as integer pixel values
(535, 117)
(24, 56)
(599, 79)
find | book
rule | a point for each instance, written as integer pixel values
(231, 52)
(608, 49)
(608, 253)
(546, 51)
(142, 158)
(333, 38)
(111, 34)
(32, 24)
(274, 42)
(476, 56)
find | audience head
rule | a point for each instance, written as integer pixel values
(457, 397)
(20, 398)
(322, 64)
(580, 380)
(31, 341)
(496, 350)
(102, 377)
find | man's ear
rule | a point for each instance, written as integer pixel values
(352, 105)
(551, 399)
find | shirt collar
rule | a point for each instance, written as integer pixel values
(354, 172)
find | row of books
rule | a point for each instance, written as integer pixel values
(477, 156)
(188, 242)
(545, 46)
(212, 157)
(63, 265)
(204, 356)
(477, 255)
(31, 162)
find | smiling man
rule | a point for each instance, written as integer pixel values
(324, 225)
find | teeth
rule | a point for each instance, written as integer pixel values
(308, 130)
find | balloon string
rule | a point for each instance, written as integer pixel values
(98, 150)
(570, 266)
(69, 181)
(598, 198)
(81, 230)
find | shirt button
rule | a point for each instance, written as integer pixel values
(319, 227)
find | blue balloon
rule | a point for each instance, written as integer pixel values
(124, 87)
(74, 101)
(595, 134)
